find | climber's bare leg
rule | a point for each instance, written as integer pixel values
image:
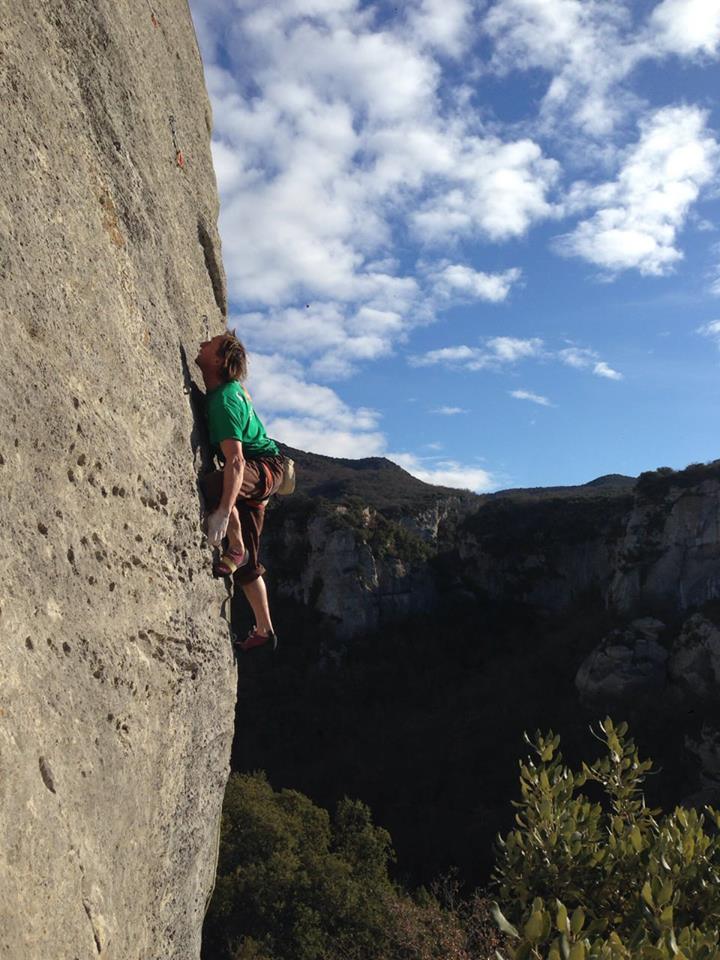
(234, 533)
(256, 593)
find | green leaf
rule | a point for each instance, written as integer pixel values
(502, 921)
(561, 919)
(646, 894)
(665, 894)
(577, 951)
(535, 927)
(636, 838)
(577, 921)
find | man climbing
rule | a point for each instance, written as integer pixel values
(252, 472)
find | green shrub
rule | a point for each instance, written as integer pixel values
(291, 882)
(607, 877)
(295, 884)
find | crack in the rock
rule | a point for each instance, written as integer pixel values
(88, 911)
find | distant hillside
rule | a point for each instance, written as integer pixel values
(377, 481)
(610, 485)
(382, 484)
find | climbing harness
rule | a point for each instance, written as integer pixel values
(179, 158)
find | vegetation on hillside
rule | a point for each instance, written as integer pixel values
(589, 871)
(654, 485)
(296, 884)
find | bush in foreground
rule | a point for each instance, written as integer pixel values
(606, 878)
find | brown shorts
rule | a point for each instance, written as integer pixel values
(260, 480)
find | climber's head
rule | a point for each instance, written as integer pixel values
(223, 357)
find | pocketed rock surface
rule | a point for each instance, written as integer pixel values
(117, 685)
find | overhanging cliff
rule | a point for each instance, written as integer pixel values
(117, 685)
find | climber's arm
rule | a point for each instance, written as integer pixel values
(233, 473)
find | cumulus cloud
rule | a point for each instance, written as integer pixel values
(331, 140)
(453, 281)
(532, 397)
(499, 352)
(590, 48)
(446, 473)
(602, 369)
(442, 24)
(308, 415)
(582, 358)
(496, 352)
(579, 42)
(687, 27)
(639, 214)
(494, 189)
(355, 168)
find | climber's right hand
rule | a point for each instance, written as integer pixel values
(217, 524)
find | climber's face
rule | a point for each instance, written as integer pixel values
(208, 355)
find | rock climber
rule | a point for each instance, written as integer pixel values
(252, 471)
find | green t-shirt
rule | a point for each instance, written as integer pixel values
(231, 416)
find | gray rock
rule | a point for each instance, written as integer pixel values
(694, 663)
(625, 663)
(117, 685)
(670, 551)
(705, 749)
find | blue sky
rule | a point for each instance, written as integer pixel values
(480, 238)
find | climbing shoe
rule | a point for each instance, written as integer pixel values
(257, 639)
(229, 562)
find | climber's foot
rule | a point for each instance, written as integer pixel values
(257, 639)
(229, 562)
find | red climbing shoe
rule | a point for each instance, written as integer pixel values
(229, 562)
(257, 639)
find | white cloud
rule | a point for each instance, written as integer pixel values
(578, 357)
(711, 329)
(494, 189)
(449, 411)
(446, 473)
(601, 369)
(331, 140)
(589, 48)
(442, 24)
(579, 42)
(532, 397)
(640, 213)
(499, 352)
(512, 349)
(312, 417)
(582, 358)
(687, 27)
(308, 415)
(496, 352)
(328, 332)
(458, 281)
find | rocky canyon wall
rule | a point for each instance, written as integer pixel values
(654, 547)
(117, 683)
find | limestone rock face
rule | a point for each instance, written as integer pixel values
(694, 663)
(339, 569)
(625, 663)
(117, 685)
(670, 551)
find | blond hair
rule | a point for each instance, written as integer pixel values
(234, 357)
